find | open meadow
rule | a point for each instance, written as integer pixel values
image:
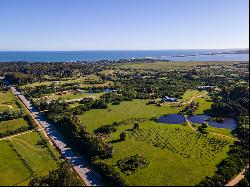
(11, 125)
(178, 65)
(126, 110)
(177, 155)
(72, 96)
(139, 109)
(25, 156)
(8, 101)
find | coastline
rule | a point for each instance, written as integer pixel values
(116, 56)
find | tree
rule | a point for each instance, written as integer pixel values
(136, 126)
(62, 176)
(123, 136)
(202, 130)
(204, 125)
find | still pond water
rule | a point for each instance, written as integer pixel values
(228, 123)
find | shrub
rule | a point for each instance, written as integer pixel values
(204, 125)
(107, 172)
(136, 126)
(106, 129)
(123, 136)
(131, 164)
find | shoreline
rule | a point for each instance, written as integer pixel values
(123, 56)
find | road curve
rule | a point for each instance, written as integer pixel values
(80, 165)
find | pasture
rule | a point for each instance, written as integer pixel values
(138, 109)
(11, 125)
(24, 156)
(76, 80)
(71, 96)
(127, 109)
(177, 155)
(168, 66)
(8, 101)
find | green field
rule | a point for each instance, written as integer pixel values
(11, 125)
(47, 83)
(7, 101)
(224, 131)
(177, 155)
(166, 66)
(72, 80)
(190, 94)
(21, 158)
(138, 109)
(126, 110)
(74, 96)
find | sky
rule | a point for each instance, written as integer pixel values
(123, 24)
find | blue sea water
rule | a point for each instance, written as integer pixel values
(67, 56)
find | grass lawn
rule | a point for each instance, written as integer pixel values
(47, 83)
(126, 110)
(11, 125)
(191, 93)
(12, 170)
(177, 155)
(107, 83)
(39, 159)
(72, 80)
(204, 104)
(224, 131)
(74, 96)
(169, 65)
(227, 132)
(8, 101)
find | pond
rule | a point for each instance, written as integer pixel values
(227, 123)
(172, 119)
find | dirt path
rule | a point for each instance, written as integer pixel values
(18, 134)
(237, 178)
(215, 133)
(192, 98)
(11, 107)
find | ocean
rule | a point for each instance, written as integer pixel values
(68, 56)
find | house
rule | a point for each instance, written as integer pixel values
(169, 99)
(55, 82)
(79, 91)
(205, 87)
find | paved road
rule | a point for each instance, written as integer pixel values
(81, 166)
(238, 178)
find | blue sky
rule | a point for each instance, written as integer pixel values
(123, 24)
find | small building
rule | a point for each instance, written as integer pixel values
(205, 87)
(80, 91)
(169, 99)
(55, 82)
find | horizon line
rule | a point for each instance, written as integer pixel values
(238, 48)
